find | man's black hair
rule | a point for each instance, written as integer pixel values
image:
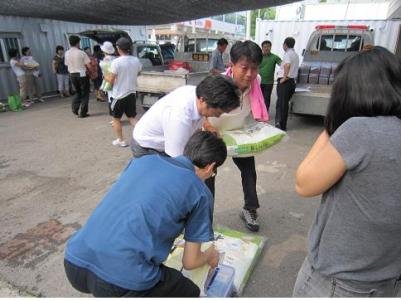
(266, 42)
(290, 42)
(204, 148)
(367, 84)
(222, 42)
(74, 40)
(25, 50)
(247, 49)
(96, 48)
(59, 47)
(13, 52)
(219, 91)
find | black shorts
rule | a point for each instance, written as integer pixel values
(125, 105)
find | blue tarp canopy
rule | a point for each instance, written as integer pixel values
(129, 12)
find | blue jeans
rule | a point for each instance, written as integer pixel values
(310, 283)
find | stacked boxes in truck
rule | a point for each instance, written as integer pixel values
(328, 45)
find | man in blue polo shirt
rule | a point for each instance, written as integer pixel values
(120, 250)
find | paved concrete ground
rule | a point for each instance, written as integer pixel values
(55, 168)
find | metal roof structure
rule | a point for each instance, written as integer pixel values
(129, 12)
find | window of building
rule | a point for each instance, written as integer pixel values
(219, 18)
(230, 18)
(241, 20)
(8, 41)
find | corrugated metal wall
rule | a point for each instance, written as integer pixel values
(42, 36)
(386, 32)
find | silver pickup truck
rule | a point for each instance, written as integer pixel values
(155, 79)
(154, 83)
(327, 46)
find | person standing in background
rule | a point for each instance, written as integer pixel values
(97, 82)
(123, 77)
(216, 62)
(77, 61)
(105, 64)
(266, 71)
(32, 74)
(18, 69)
(61, 72)
(286, 75)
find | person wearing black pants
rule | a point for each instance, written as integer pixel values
(120, 250)
(248, 178)
(172, 284)
(285, 91)
(267, 92)
(245, 57)
(266, 71)
(77, 61)
(81, 99)
(286, 75)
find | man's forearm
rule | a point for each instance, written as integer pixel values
(109, 77)
(286, 70)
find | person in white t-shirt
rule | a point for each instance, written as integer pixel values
(123, 76)
(18, 69)
(105, 65)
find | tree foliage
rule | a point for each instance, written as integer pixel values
(268, 13)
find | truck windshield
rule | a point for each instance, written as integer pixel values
(340, 43)
(150, 52)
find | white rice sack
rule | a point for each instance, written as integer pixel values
(251, 139)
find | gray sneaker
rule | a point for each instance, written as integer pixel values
(250, 219)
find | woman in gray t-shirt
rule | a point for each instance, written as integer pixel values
(355, 239)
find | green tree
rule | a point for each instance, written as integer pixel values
(268, 13)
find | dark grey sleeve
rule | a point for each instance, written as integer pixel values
(213, 62)
(352, 141)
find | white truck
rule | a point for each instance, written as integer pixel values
(155, 79)
(327, 46)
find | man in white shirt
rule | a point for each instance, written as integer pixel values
(166, 127)
(77, 61)
(286, 75)
(123, 76)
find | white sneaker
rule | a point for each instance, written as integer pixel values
(120, 143)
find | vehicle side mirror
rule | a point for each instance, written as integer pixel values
(303, 52)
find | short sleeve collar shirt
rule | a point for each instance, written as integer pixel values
(170, 122)
(131, 232)
(75, 60)
(292, 58)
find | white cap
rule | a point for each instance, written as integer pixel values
(107, 47)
